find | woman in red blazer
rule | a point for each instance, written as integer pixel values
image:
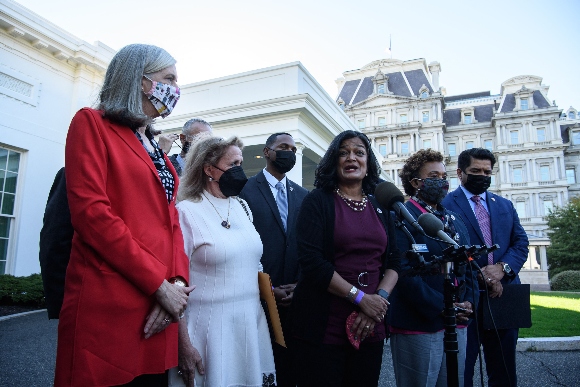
(126, 283)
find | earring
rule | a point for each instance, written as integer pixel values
(366, 174)
(210, 178)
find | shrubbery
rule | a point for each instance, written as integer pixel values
(21, 290)
(566, 280)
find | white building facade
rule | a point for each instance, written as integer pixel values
(402, 108)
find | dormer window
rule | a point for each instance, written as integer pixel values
(572, 115)
(424, 92)
(524, 104)
(467, 118)
(468, 115)
(381, 88)
(524, 99)
(381, 83)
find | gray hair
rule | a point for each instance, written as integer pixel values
(121, 95)
(187, 126)
(207, 151)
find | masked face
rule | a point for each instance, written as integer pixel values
(163, 96)
(433, 190)
(477, 184)
(285, 161)
(232, 181)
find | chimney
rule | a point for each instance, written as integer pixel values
(435, 69)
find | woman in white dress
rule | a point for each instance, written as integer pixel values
(224, 320)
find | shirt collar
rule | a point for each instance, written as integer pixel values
(468, 194)
(272, 180)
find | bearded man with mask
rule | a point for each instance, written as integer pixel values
(416, 311)
(490, 219)
(275, 200)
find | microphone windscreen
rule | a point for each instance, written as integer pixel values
(431, 224)
(388, 194)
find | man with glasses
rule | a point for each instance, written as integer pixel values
(490, 219)
(191, 129)
(275, 200)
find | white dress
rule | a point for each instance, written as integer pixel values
(225, 319)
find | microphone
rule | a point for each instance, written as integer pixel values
(389, 196)
(434, 228)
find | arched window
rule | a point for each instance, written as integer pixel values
(572, 115)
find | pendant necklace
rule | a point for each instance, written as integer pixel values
(355, 205)
(225, 222)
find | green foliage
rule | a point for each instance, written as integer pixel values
(566, 280)
(564, 231)
(21, 290)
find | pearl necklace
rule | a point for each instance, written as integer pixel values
(355, 205)
(225, 222)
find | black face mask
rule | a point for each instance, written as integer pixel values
(232, 181)
(186, 146)
(285, 160)
(477, 184)
(433, 190)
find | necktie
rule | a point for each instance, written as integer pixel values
(484, 224)
(282, 202)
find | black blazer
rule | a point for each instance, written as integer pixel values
(315, 227)
(279, 257)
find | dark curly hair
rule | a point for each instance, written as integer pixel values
(325, 177)
(464, 159)
(414, 164)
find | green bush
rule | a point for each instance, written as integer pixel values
(566, 280)
(21, 290)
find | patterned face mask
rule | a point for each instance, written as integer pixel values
(433, 190)
(163, 97)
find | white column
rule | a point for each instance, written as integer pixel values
(295, 174)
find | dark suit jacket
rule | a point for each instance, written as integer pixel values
(175, 163)
(506, 229)
(280, 257)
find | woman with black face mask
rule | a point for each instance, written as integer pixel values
(416, 311)
(224, 338)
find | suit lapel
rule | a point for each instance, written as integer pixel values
(291, 203)
(129, 137)
(265, 190)
(467, 213)
(493, 214)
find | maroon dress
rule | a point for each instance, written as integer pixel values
(360, 241)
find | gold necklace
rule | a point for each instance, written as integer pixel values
(353, 204)
(225, 223)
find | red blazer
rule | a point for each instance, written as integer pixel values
(127, 240)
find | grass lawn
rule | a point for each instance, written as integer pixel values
(554, 314)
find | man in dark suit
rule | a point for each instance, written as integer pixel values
(490, 219)
(191, 129)
(275, 200)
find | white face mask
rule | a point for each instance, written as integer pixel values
(163, 97)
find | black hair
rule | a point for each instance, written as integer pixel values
(272, 139)
(325, 176)
(414, 164)
(464, 159)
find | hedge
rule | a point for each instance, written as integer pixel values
(566, 280)
(21, 290)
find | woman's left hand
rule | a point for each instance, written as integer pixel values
(157, 320)
(363, 326)
(374, 306)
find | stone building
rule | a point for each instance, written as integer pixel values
(402, 108)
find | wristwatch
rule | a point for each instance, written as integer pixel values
(383, 293)
(507, 269)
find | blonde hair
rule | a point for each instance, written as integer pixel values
(207, 151)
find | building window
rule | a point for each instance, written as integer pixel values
(403, 118)
(453, 183)
(9, 166)
(467, 118)
(487, 144)
(521, 209)
(541, 134)
(424, 94)
(451, 149)
(572, 115)
(361, 124)
(518, 175)
(570, 175)
(469, 145)
(426, 144)
(524, 104)
(425, 116)
(576, 138)
(514, 137)
(383, 149)
(544, 173)
(492, 181)
(405, 148)
(548, 207)
(382, 121)
(381, 88)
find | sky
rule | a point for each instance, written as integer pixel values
(478, 44)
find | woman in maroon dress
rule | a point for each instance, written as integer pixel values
(349, 263)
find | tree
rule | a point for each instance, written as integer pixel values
(564, 233)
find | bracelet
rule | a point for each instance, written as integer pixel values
(352, 294)
(359, 297)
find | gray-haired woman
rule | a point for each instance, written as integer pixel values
(126, 281)
(224, 320)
